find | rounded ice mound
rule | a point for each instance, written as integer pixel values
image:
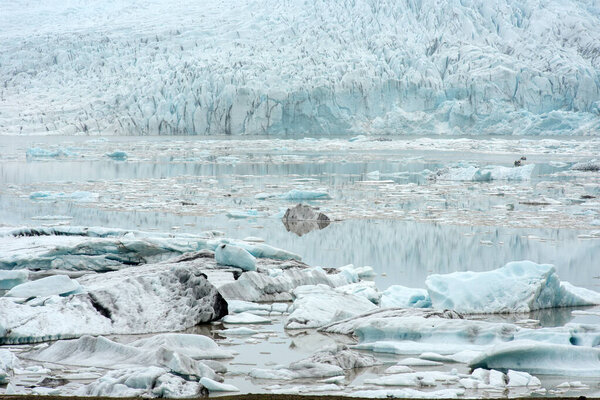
(228, 254)
(52, 285)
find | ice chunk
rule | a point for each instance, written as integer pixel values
(51, 285)
(296, 194)
(485, 174)
(404, 297)
(10, 279)
(255, 286)
(117, 155)
(8, 362)
(140, 382)
(238, 332)
(214, 386)
(261, 250)
(81, 196)
(327, 363)
(102, 352)
(520, 378)
(318, 305)
(541, 358)
(245, 318)
(198, 347)
(409, 394)
(423, 378)
(37, 152)
(150, 298)
(519, 286)
(366, 289)
(228, 254)
(243, 214)
(591, 165)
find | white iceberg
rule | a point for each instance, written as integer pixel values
(519, 286)
(51, 285)
(227, 254)
(214, 386)
(318, 305)
(150, 298)
(245, 318)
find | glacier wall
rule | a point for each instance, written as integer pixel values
(294, 66)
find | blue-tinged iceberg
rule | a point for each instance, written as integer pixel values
(519, 286)
(323, 67)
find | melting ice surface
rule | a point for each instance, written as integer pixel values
(161, 212)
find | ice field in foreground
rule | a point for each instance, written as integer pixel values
(320, 67)
(194, 286)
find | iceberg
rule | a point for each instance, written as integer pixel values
(519, 286)
(37, 152)
(541, 358)
(141, 382)
(214, 386)
(51, 285)
(485, 174)
(227, 254)
(12, 278)
(80, 196)
(151, 298)
(318, 305)
(404, 297)
(296, 194)
(117, 155)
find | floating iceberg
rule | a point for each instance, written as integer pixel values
(117, 155)
(214, 386)
(485, 174)
(296, 194)
(80, 196)
(519, 286)
(51, 285)
(542, 358)
(152, 298)
(228, 254)
(318, 305)
(37, 152)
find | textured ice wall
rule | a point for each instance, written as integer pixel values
(257, 66)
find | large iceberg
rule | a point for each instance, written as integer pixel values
(151, 298)
(519, 286)
(317, 67)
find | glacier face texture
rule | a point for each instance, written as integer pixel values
(321, 67)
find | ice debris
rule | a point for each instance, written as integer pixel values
(519, 286)
(117, 155)
(485, 174)
(296, 194)
(79, 195)
(37, 152)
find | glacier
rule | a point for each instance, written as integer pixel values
(254, 67)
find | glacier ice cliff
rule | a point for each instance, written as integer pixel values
(320, 67)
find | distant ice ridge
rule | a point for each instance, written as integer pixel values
(254, 66)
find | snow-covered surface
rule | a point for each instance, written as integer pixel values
(320, 67)
(519, 286)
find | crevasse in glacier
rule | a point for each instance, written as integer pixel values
(321, 67)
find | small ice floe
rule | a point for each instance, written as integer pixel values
(485, 174)
(117, 155)
(51, 285)
(416, 379)
(408, 393)
(242, 331)
(519, 286)
(323, 364)
(296, 194)
(12, 278)
(228, 254)
(238, 306)
(240, 214)
(214, 386)
(78, 196)
(318, 305)
(404, 297)
(245, 318)
(141, 382)
(37, 152)
(541, 358)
